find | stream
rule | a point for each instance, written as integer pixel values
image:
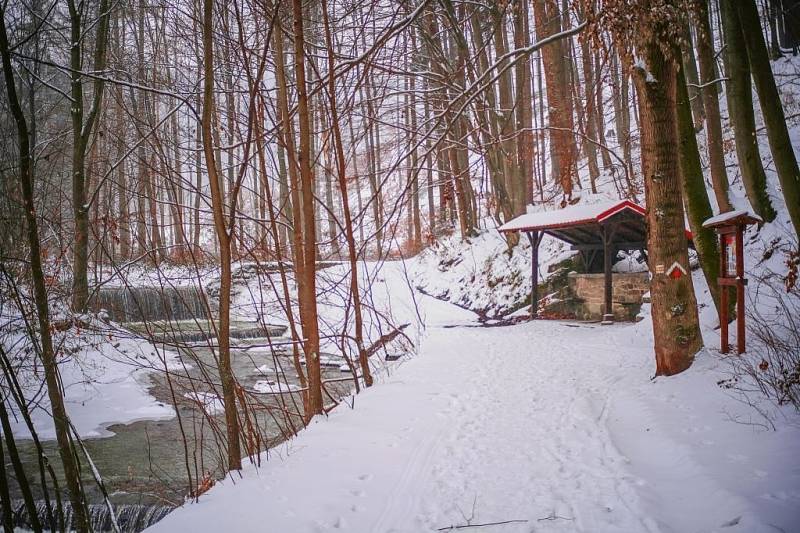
(148, 466)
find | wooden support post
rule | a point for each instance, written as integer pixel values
(723, 299)
(535, 238)
(608, 259)
(723, 319)
(740, 282)
(731, 273)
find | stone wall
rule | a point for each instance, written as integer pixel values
(587, 292)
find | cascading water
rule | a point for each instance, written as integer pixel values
(131, 518)
(137, 304)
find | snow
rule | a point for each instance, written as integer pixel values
(209, 402)
(267, 368)
(730, 215)
(105, 383)
(558, 426)
(585, 213)
(271, 387)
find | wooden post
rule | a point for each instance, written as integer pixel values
(731, 235)
(723, 299)
(608, 253)
(535, 238)
(740, 283)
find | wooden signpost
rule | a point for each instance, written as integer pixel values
(730, 227)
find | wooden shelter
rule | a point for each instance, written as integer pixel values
(598, 231)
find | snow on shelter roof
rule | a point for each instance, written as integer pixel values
(575, 215)
(731, 217)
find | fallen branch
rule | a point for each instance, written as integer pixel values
(385, 339)
(465, 526)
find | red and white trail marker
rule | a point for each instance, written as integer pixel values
(676, 271)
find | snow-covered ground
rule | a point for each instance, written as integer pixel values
(104, 372)
(554, 426)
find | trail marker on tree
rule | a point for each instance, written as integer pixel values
(676, 271)
(730, 226)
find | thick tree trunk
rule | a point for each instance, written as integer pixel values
(695, 196)
(740, 108)
(771, 108)
(716, 154)
(416, 219)
(675, 322)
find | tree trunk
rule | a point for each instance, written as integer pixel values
(600, 110)
(341, 170)
(692, 78)
(19, 470)
(307, 282)
(622, 116)
(773, 8)
(740, 108)
(524, 93)
(223, 239)
(54, 392)
(675, 322)
(562, 139)
(286, 139)
(716, 155)
(695, 196)
(771, 108)
(590, 110)
(5, 498)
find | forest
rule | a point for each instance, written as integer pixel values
(222, 222)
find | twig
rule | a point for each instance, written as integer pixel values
(465, 526)
(553, 516)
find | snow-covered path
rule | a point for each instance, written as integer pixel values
(514, 435)
(553, 426)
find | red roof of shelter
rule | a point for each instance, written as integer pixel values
(575, 215)
(582, 223)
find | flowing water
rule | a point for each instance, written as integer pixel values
(138, 304)
(130, 518)
(150, 466)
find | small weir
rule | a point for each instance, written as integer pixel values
(171, 314)
(139, 304)
(131, 518)
(189, 331)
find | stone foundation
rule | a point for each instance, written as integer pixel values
(587, 292)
